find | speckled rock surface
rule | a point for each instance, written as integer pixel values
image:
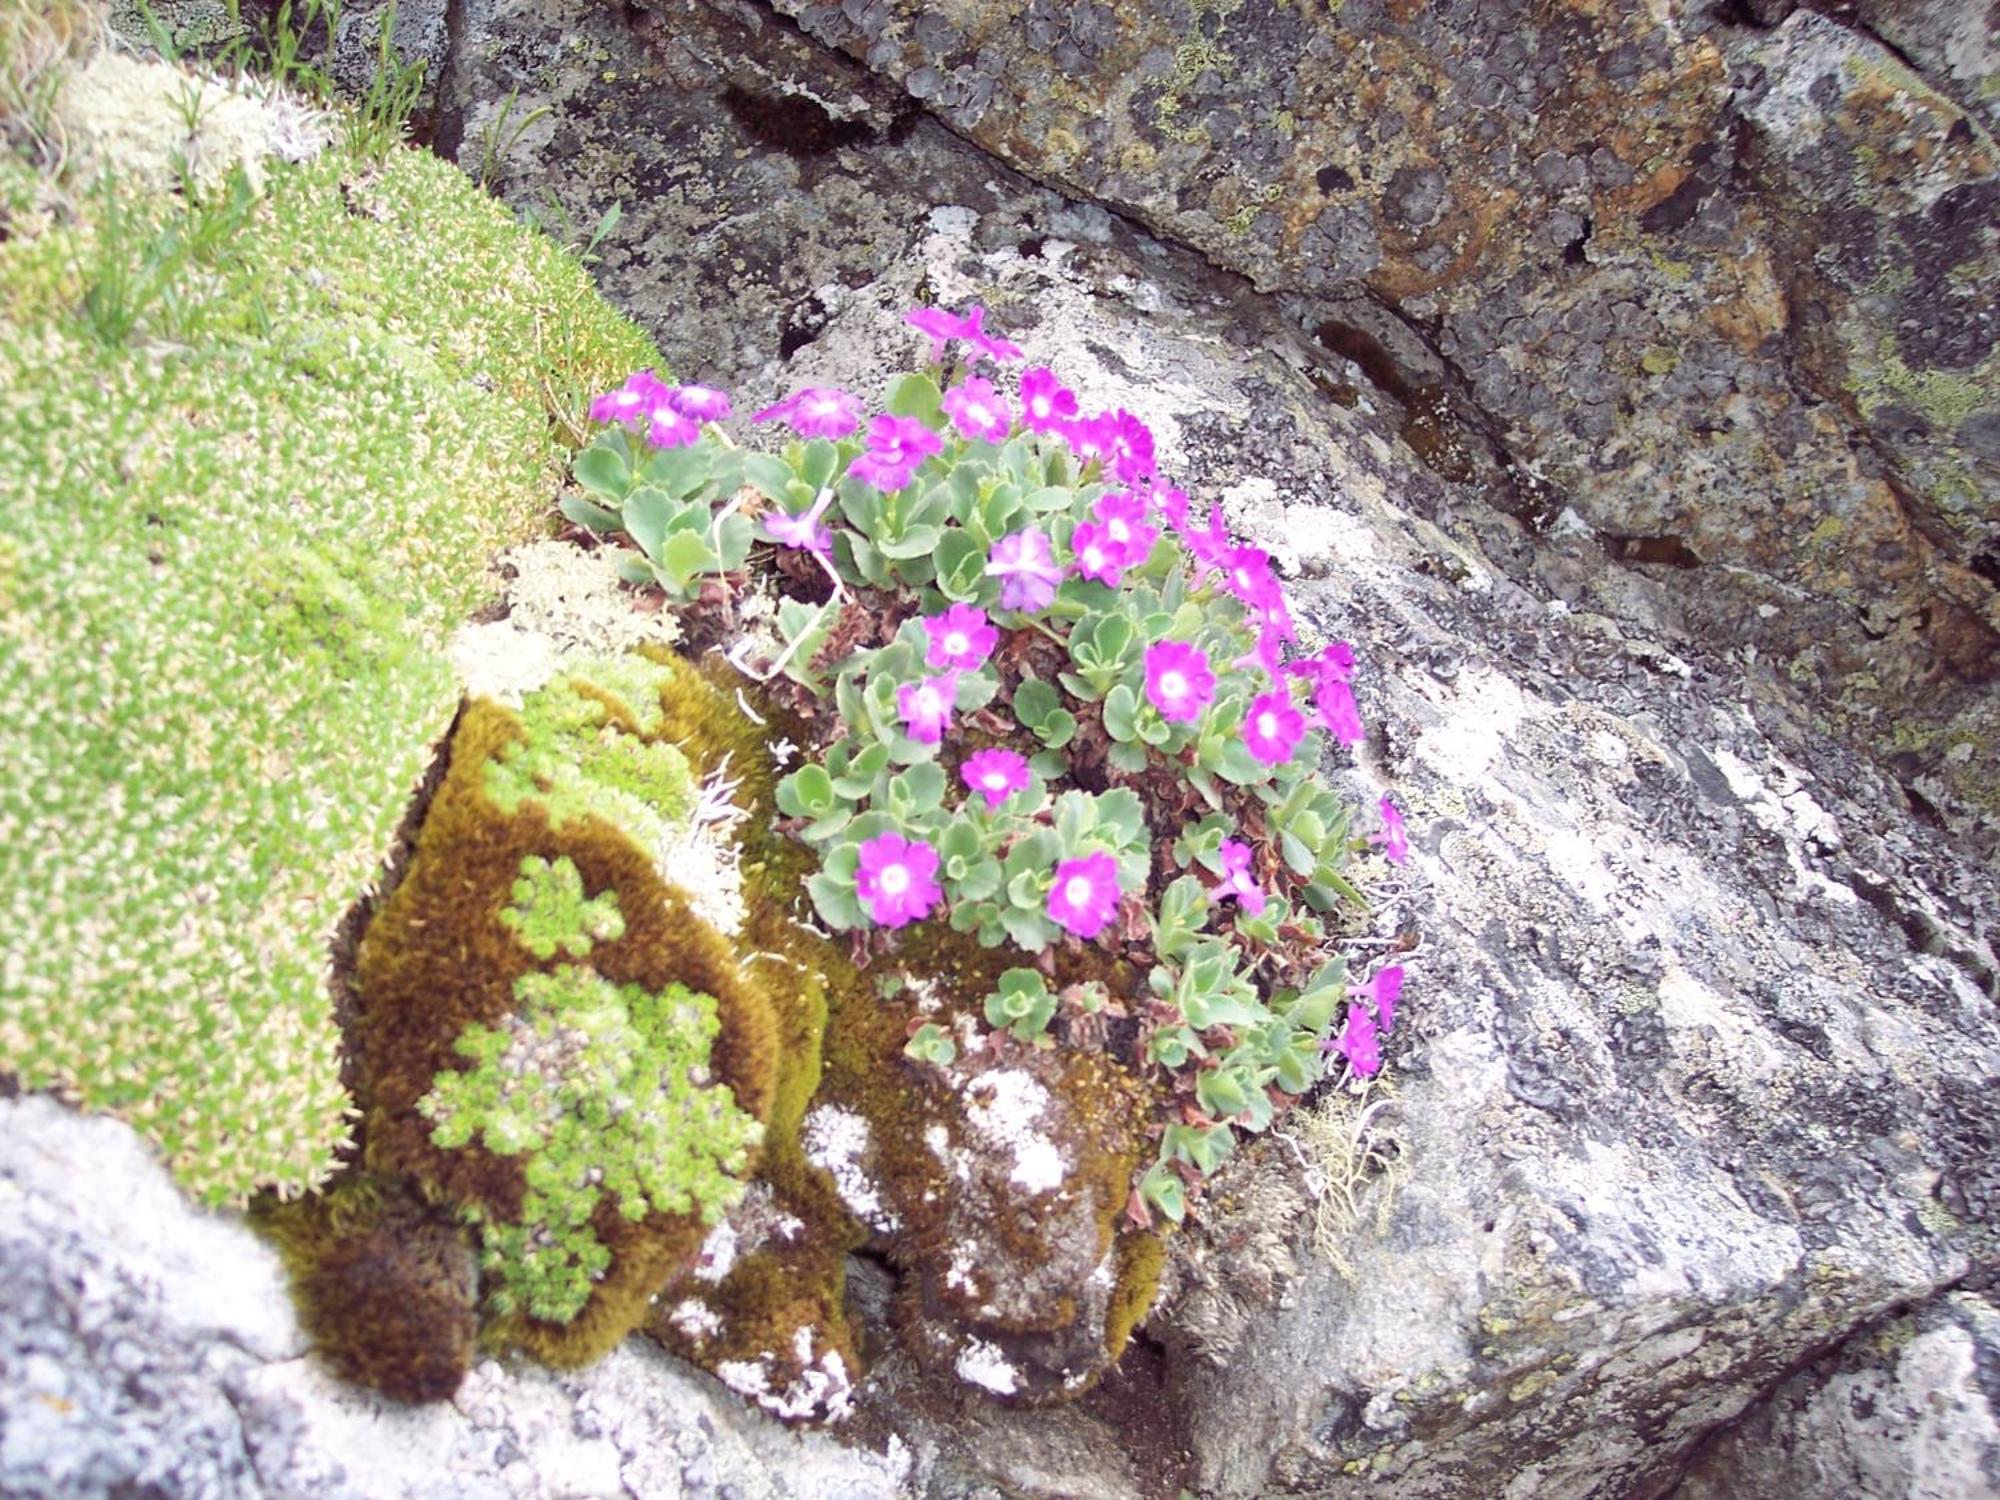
(149, 1348)
(1720, 292)
(1911, 1412)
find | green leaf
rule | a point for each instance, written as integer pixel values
(1034, 701)
(961, 565)
(1051, 498)
(1130, 759)
(649, 513)
(817, 461)
(1223, 1091)
(685, 556)
(589, 515)
(918, 790)
(980, 881)
(807, 792)
(1058, 729)
(635, 569)
(918, 541)
(602, 470)
(917, 396)
(1300, 859)
(931, 1043)
(770, 476)
(681, 472)
(1120, 706)
(1029, 930)
(1163, 1190)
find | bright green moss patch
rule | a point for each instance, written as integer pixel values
(604, 1086)
(550, 913)
(234, 544)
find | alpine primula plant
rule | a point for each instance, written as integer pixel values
(1066, 710)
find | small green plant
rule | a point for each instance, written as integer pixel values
(38, 41)
(501, 134)
(550, 913)
(1063, 719)
(380, 118)
(604, 1089)
(143, 256)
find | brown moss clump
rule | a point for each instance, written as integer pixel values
(386, 1285)
(441, 971)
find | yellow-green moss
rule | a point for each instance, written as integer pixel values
(1141, 1257)
(236, 543)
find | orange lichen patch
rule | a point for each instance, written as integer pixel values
(1756, 310)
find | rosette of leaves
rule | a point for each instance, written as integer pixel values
(666, 500)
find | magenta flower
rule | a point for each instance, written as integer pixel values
(1246, 573)
(1209, 546)
(960, 638)
(1381, 990)
(897, 446)
(1123, 517)
(1179, 682)
(926, 706)
(1237, 880)
(992, 345)
(995, 775)
(1130, 447)
(1172, 505)
(978, 411)
(1358, 1042)
(634, 401)
(1394, 838)
(1273, 727)
(1335, 702)
(1027, 569)
(1085, 896)
(1046, 403)
(700, 403)
(815, 412)
(940, 326)
(803, 531)
(1336, 662)
(1092, 439)
(1096, 555)
(897, 880)
(669, 429)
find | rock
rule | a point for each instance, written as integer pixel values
(1649, 245)
(1910, 1411)
(146, 1345)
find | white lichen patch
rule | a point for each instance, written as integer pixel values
(150, 122)
(1003, 1108)
(717, 1256)
(982, 1364)
(822, 1390)
(836, 1141)
(695, 1320)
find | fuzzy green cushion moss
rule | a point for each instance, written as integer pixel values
(233, 545)
(604, 1088)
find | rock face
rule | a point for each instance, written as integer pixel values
(1722, 294)
(146, 1347)
(1909, 1411)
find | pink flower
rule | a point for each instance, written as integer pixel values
(700, 403)
(1179, 682)
(995, 775)
(994, 347)
(1246, 573)
(1123, 517)
(1335, 702)
(1027, 569)
(815, 411)
(941, 327)
(1237, 880)
(1381, 990)
(669, 429)
(1336, 661)
(897, 880)
(978, 411)
(633, 402)
(1091, 439)
(897, 447)
(1085, 896)
(1130, 444)
(1096, 555)
(926, 706)
(1046, 403)
(960, 638)
(1273, 727)
(1394, 838)
(1358, 1042)
(1209, 546)
(1172, 505)
(803, 531)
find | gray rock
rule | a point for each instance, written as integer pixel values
(1910, 1411)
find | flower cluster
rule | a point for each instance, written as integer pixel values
(1036, 602)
